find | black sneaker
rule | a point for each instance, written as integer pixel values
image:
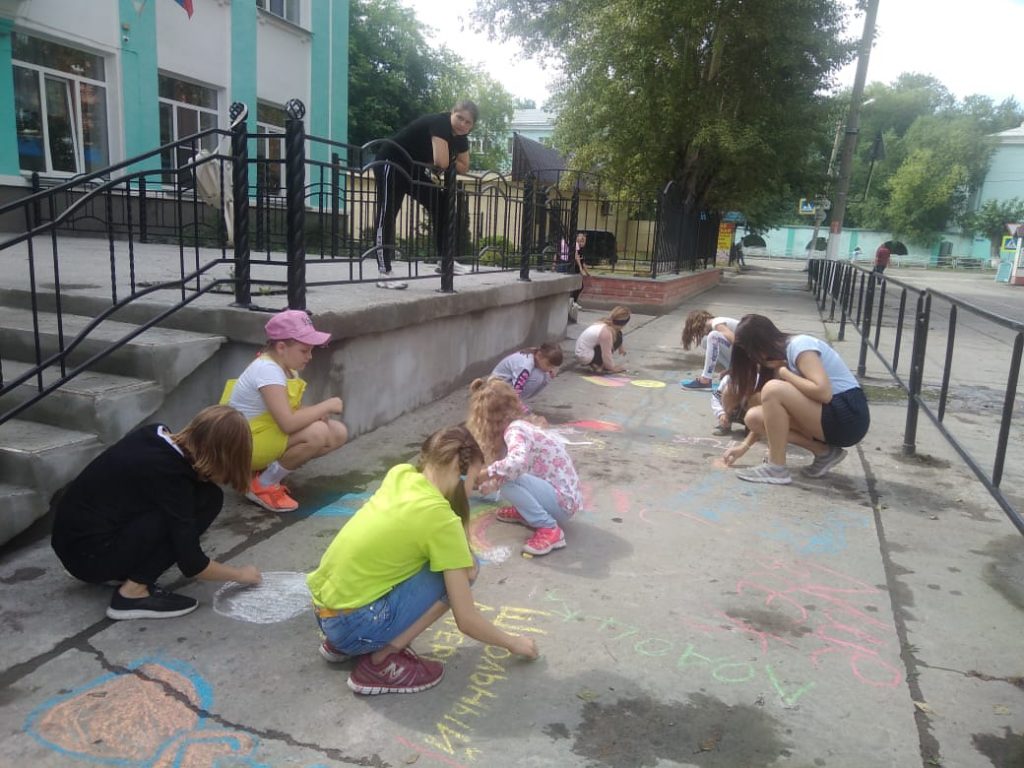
(158, 604)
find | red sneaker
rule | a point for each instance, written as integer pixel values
(544, 540)
(332, 654)
(402, 672)
(511, 515)
(273, 498)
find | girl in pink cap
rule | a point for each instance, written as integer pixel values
(285, 435)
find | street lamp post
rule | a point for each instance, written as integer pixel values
(852, 129)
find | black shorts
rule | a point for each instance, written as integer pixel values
(598, 361)
(845, 419)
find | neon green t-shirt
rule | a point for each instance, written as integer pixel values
(406, 523)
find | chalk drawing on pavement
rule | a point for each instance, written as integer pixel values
(345, 505)
(594, 425)
(143, 716)
(281, 596)
(648, 383)
(607, 381)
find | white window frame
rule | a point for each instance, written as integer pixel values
(175, 104)
(291, 10)
(78, 134)
(263, 144)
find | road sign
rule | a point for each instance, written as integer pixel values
(805, 207)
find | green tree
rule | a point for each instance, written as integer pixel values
(991, 218)
(391, 69)
(924, 130)
(721, 96)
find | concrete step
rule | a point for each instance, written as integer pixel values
(43, 457)
(103, 403)
(160, 354)
(20, 506)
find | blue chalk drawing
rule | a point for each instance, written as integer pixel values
(345, 505)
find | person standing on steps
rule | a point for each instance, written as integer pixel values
(401, 169)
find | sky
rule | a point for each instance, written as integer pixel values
(956, 41)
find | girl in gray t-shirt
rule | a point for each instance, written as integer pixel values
(809, 397)
(530, 370)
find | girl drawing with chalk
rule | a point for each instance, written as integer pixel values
(526, 464)
(398, 565)
(809, 397)
(595, 345)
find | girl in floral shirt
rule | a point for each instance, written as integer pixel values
(529, 467)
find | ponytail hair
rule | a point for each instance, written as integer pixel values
(445, 446)
(549, 350)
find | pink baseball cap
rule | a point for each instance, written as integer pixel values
(294, 324)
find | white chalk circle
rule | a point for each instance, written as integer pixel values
(282, 595)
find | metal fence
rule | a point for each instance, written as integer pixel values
(901, 323)
(300, 212)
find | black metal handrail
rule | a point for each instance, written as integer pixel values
(167, 195)
(843, 284)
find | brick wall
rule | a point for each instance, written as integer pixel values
(646, 295)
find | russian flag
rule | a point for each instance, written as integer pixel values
(187, 5)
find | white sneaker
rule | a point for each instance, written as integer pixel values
(386, 281)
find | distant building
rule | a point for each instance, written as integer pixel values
(534, 124)
(84, 85)
(1005, 177)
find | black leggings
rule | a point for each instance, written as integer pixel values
(140, 551)
(392, 187)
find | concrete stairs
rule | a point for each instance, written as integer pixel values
(49, 443)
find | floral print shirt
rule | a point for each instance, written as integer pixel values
(532, 451)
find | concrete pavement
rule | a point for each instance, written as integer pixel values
(870, 618)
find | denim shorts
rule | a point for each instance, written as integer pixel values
(845, 419)
(373, 626)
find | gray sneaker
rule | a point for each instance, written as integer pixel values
(824, 462)
(386, 281)
(765, 473)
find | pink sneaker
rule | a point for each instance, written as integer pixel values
(402, 672)
(510, 515)
(544, 540)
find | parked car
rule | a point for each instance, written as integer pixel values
(600, 247)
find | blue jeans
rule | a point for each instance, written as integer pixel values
(535, 499)
(373, 626)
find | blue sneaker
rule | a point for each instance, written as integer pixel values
(698, 385)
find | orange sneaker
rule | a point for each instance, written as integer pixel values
(273, 498)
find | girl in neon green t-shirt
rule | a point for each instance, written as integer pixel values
(398, 565)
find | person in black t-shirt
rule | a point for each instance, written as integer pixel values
(431, 141)
(143, 503)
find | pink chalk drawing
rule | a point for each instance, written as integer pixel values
(846, 629)
(607, 381)
(595, 425)
(479, 523)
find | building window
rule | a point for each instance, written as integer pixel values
(60, 101)
(270, 151)
(185, 109)
(285, 9)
